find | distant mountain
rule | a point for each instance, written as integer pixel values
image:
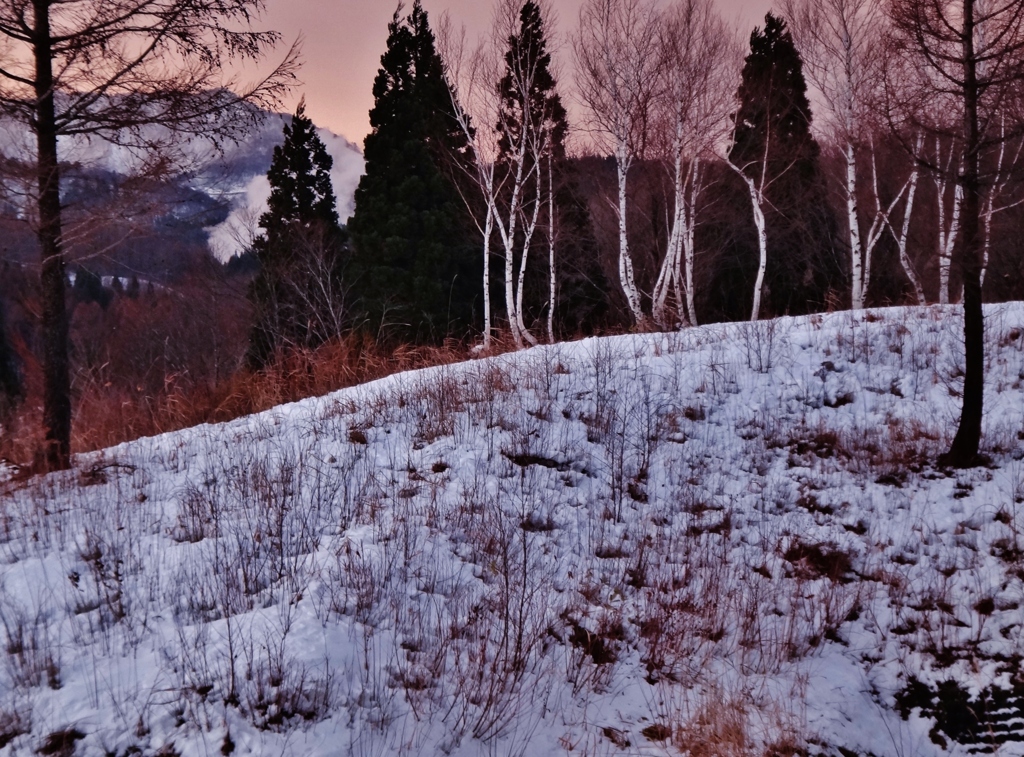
(158, 228)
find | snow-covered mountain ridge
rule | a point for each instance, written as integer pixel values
(729, 540)
(232, 175)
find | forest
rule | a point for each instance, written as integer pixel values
(827, 160)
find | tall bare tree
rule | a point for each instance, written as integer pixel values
(967, 59)
(774, 153)
(506, 103)
(909, 190)
(470, 75)
(113, 69)
(700, 63)
(618, 59)
(840, 42)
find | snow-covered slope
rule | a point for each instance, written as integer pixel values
(725, 541)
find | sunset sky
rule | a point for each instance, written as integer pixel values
(344, 40)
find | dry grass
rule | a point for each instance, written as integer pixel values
(106, 414)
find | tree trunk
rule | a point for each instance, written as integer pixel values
(488, 232)
(987, 235)
(668, 276)
(528, 231)
(625, 262)
(56, 376)
(508, 235)
(902, 239)
(689, 243)
(947, 233)
(858, 266)
(964, 451)
(762, 245)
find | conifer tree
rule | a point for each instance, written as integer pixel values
(773, 146)
(297, 292)
(528, 66)
(413, 261)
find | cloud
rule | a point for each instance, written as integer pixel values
(238, 230)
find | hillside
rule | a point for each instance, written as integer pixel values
(725, 541)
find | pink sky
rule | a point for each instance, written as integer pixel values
(344, 40)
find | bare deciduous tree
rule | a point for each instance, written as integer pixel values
(114, 68)
(700, 64)
(840, 42)
(966, 58)
(910, 190)
(501, 103)
(618, 59)
(470, 76)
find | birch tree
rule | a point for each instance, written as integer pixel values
(840, 41)
(909, 189)
(949, 198)
(775, 155)
(532, 122)
(1006, 161)
(110, 69)
(470, 76)
(506, 104)
(700, 62)
(618, 57)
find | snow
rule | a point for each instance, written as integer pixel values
(733, 534)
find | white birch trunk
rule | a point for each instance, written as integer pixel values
(987, 233)
(1002, 176)
(756, 199)
(948, 232)
(901, 241)
(858, 264)
(623, 163)
(668, 277)
(947, 241)
(528, 231)
(508, 236)
(488, 232)
(689, 246)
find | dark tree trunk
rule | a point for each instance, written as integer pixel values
(56, 378)
(964, 451)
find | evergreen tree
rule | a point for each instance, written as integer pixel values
(773, 134)
(413, 258)
(528, 63)
(296, 294)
